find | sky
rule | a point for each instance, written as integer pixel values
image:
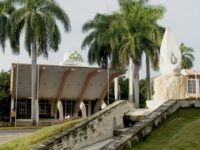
(182, 16)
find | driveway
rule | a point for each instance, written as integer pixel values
(7, 135)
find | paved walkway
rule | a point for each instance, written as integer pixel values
(7, 135)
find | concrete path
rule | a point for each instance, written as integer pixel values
(139, 114)
(7, 135)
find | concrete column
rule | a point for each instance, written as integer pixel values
(116, 83)
(59, 103)
(89, 108)
(100, 104)
(103, 105)
(84, 88)
(37, 111)
(83, 110)
(12, 103)
(131, 79)
(60, 110)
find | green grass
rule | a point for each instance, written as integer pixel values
(181, 131)
(27, 142)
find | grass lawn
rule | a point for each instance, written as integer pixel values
(181, 131)
(27, 142)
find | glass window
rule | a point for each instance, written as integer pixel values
(24, 106)
(68, 107)
(191, 85)
(45, 107)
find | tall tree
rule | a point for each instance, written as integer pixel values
(187, 56)
(5, 12)
(99, 48)
(152, 57)
(4, 85)
(140, 32)
(5, 95)
(38, 19)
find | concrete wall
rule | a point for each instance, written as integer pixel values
(98, 127)
(142, 128)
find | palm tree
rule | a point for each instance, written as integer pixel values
(38, 19)
(187, 56)
(140, 34)
(4, 16)
(152, 57)
(99, 48)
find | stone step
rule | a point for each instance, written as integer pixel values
(120, 131)
(135, 115)
(98, 145)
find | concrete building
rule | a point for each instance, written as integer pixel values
(68, 89)
(192, 83)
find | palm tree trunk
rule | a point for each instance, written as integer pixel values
(33, 81)
(136, 84)
(130, 79)
(148, 80)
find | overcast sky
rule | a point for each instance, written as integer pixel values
(182, 17)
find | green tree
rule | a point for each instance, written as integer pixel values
(4, 16)
(4, 85)
(4, 95)
(99, 48)
(143, 91)
(124, 88)
(187, 56)
(152, 56)
(138, 32)
(38, 19)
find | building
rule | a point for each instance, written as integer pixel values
(62, 90)
(192, 83)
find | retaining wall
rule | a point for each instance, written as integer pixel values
(98, 127)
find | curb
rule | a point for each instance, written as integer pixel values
(19, 128)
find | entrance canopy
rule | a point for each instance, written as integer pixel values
(63, 82)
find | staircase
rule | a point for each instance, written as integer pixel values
(130, 119)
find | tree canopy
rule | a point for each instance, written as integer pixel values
(4, 85)
(187, 56)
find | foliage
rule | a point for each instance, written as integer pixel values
(4, 95)
(4, 85)
(137, 32)
(143, 91)
(179, 131)
(187, 56)
(99, 52)
(124, 87)
(125, 34)
(38, 19)
(32, 140)
(4, 16)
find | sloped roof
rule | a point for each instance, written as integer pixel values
(51, 80)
